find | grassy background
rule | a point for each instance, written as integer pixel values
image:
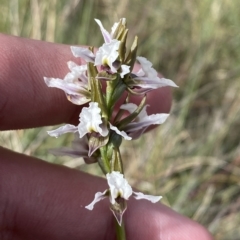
(193, 160)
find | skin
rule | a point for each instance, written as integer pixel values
(39, 200)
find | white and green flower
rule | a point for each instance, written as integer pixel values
(140, 124)
(147, 78)
(119, 188)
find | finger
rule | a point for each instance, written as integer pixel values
(44, 201)
(26, 101)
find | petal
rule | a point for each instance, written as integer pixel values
(64, 151)
(118, 209)
(131, 107)
(83, 53)
(151, 82)
(98, 197)
(122, 133)
(153, 199)
(80, 72)
(107, 54)
(95, 143)
(125, 69)
(91, 121)
(75, 67)
(136, 134)
(107, 37)
(78, 99)
(73, 153)
(147, 67)
(67, 87)
(118, 185)
(64, 129)
(147, 121)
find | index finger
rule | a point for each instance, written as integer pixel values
(26, 101)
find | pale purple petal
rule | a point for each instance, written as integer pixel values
(83, 53)
(79, 71)
(75, 67)
(148, 82)
(125, 70)
(104, 131)
(67, 87)
(147, 121)
(153, 199)
(131, 107)
(136, 134)
(65, 151)
(142, 120)
(106, 35)
(79, 148)
(61, 130)
(78, 99)
(98, 197)
(122, 133)
(147, 67)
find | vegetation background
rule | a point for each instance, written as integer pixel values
(193, 160)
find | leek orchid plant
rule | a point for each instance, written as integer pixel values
(102, 125)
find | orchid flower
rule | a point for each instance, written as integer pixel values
(106, 57)
(90, 121)
(147, 78)
(119, 188)
(80, 148)
(142, 121)
(74, 84)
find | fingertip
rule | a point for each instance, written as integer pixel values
(157, 221)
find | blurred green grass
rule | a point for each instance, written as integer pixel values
(193, 160)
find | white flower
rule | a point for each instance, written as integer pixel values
(147, 77)
(91, 121)
(74, 84)
(119, 188)
(142, 121)
(107, 54)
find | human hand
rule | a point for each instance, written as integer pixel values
(39, 200)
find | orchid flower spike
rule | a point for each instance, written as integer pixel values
(119, 189)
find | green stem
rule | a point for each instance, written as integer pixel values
(120, 231)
